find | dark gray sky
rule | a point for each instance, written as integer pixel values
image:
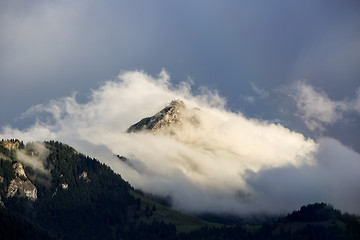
(297, 62)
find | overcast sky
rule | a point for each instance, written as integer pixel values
(246, 50)
(292, 63)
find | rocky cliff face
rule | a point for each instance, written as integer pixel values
(84, 176)
(19, 170)
(11, 144)
(21, 186)
(167, 120)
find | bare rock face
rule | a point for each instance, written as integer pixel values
(21, 185)
(84, 176)
(19, 170)
(22, 188)
(173, 120)
(169, 116)
(11, 144)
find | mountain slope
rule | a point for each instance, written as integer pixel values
(320, 219)
(15, 226)
(69, 204)
(312, 222)
(183, 222)
(80, 198)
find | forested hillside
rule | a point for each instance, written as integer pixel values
(77, 198)
(50, 191)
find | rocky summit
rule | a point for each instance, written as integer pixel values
(168, 116)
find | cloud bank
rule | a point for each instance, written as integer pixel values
(226, 163)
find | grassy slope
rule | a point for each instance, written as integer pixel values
(183, 222)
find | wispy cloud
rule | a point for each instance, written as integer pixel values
(262, 93)
(248, 99)
(34, 156)
(225, 163)
(316, 108)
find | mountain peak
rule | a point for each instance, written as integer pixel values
(176, 103)
(168, 116)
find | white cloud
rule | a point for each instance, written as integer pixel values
(316, 108)
(219, 165)
(330, 180)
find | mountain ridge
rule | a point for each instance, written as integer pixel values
(80, 186)
(98, 204)
(169, 115)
